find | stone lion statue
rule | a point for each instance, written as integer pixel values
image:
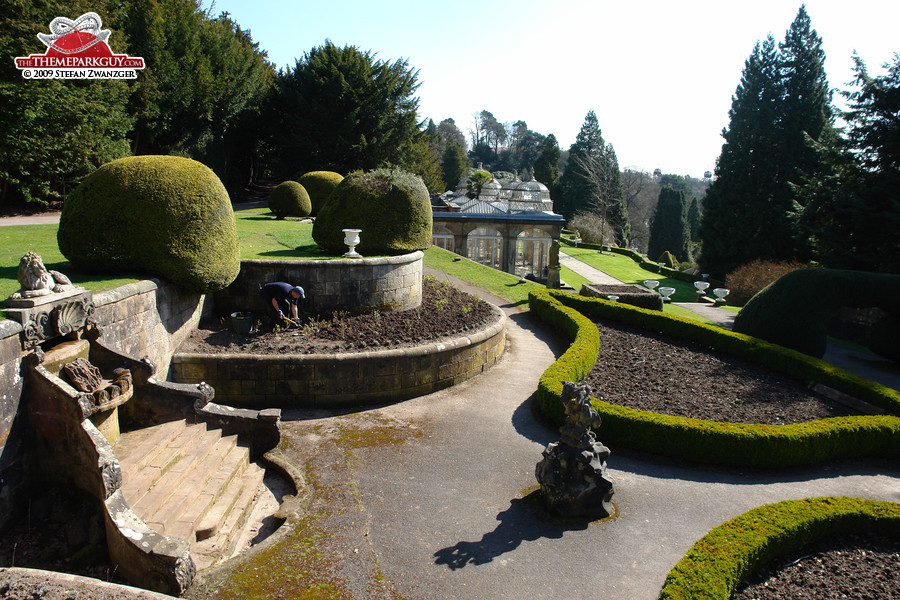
(37, 280)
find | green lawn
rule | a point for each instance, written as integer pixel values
(261, 236)
(626, 270)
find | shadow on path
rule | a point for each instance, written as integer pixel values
(518, 523)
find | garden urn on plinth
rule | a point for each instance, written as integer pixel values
(572, 474)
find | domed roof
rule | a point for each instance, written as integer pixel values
(533, 185)
(490, 190)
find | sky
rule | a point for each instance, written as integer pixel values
(659, 74)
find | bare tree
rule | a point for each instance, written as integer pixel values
(602, 178)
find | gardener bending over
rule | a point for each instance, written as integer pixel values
(282, 298)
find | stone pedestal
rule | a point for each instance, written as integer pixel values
(53, 315)
(574, 483)
(553, 277)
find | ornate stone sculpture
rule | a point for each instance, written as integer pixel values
(47, 305)
(36, 280)
(572, 474)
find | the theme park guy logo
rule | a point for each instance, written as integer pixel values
(78, 50)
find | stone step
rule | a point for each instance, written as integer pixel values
(156, 449)
(188, 448)
(135, 449)
(203, 468)
(222, 544)
(190, 482)
(204, 497)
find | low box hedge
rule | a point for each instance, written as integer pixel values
(736, 444)
(715, 566)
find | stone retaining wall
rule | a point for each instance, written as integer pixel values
(316, 381)
(388, 283)
(147, 318)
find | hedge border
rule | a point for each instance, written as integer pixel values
(716, 564)
(733, 444)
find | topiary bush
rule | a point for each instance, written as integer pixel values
(737, 444)
(319, 185)
(748, 280)
(715, 566)
(668, 259)
(390, 206)
(165, 215)
(794, 310)
(289, 199)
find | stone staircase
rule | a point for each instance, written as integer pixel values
(190, 482)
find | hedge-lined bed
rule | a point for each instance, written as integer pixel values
(736, 444)
(714, 566)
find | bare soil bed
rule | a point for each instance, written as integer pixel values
(445, 312)
(648, 371)
(850, 566)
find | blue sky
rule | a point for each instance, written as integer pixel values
(659, 74)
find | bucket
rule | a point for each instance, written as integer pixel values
(242, 322)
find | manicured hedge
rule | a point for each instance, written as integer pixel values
(164, 215)
(707, 441)
(714, 567)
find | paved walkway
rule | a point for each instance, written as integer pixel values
(718, 316)
(427, 498)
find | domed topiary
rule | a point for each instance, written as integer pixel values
(289, 199)
(668, 259)
(164, 215)
(319, 185)
(392, 207)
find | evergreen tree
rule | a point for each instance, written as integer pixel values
(779, 111)
(694, 220)
(853, 215)
(546, 167)
(592, 180)
(54, 132)
(455, 163)
(344, 110)
(669, 230)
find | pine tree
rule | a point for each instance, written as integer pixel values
(694, 220)
(669, 230)
(853, 215)
(592, 180)
(455, 163)
(546, 167)
(344, 110)
(780, 110)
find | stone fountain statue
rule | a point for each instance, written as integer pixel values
(572, 474)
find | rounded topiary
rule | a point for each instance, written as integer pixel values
(319, 185)
(165, 215)
(795, 310)
(668, 259)
(390, 206)
(289, 199)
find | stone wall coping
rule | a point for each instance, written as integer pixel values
(9, 328)
(339, 261)
(125, 291)
(428, 349)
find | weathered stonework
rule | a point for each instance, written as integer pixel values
(387, 283)
(305, 380)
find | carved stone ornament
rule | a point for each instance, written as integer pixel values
(572, 473)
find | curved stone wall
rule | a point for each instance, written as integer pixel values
(387, 283)
(328, 380)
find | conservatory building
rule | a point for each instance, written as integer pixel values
(510, 226)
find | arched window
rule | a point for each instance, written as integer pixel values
(533, 252)
(485, 246)
(442, 238)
